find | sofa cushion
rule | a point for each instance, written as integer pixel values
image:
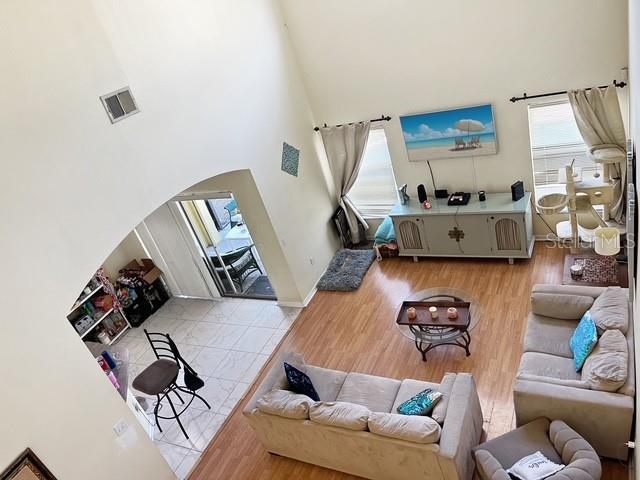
(554, 305)
(583, 341)
(549, 335)
(340, 414)
(517, 444)
(606, 368)
(543, 367)
(409, 388)
(326, 382)
(610, 310)
(284, 403)
(300, 382)
(375, 393)
(411, 428)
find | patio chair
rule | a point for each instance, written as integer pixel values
(239, 264)
(475, 142)
(234, 215)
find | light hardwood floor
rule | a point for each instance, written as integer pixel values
(356, 332)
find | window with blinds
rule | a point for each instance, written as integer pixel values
(555, 143)
(374, 192)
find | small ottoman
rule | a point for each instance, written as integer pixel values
(556, 440)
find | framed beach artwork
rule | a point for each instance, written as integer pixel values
(458, 133)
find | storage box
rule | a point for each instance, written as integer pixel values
(150, 272)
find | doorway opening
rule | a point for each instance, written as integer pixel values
(220, 232)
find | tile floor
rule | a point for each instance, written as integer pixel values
(227, 342)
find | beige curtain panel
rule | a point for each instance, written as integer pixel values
(345, 146)
(599, 119)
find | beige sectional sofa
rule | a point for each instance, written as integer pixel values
(548, 385)
(355, 449)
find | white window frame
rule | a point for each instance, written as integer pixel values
(376, 211)
(558, 151)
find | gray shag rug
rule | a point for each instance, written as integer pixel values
(346, 270)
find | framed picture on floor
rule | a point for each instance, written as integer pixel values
(27, 467)
(457, 133)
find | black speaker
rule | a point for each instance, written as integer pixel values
(441, 194)
(422, 193)
(517, 190)
(482, 196)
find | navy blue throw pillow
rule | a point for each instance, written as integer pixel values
(300, 383)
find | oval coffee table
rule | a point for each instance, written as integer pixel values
(428, 334)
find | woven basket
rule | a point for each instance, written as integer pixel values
(552, 203)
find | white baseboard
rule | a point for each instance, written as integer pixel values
(310, 296)
(290, 304)
(302, 304)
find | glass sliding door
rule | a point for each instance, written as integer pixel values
(227, 246)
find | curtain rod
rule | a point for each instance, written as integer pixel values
(527, 97)
(383, 118)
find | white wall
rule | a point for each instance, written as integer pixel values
(363, 58)
(218, 90)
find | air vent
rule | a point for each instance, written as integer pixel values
(119, 104)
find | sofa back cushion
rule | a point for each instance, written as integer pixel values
(606, 368)
(340, 414)
(375, 393)
(411, 428)
(284, 403)
(326, 382)
(277, 375)
(556, 305)
(610, 310)
(410, 387)
(300, 382)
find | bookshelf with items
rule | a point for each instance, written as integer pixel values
(97, 315)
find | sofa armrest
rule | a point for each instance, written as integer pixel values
(568, 289)
(575, 451)
(488, 467)
(275, 378)
(603, 418)
(462, 428)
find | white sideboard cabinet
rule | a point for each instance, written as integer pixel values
(497, 227)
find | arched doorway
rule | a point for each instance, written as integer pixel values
(226, 340)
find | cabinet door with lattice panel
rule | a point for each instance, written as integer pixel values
(410, 235)
(508, 236)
